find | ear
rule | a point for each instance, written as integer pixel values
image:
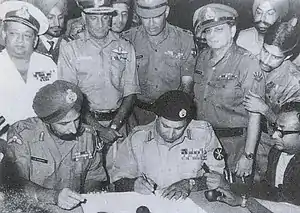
(35, 42)
(167, 11)
(3, 34)
(83, 17)
(1, 156)
(233, 31)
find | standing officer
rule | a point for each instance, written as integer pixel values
(224, 74)
(164, 55)
(23, 72)
(282, 83)
(170, 152)
(103, 65)
(55, 11)
(265, 14)
(55, 150)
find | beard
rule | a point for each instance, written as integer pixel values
(262, 27)
(55, 32)
(69, 136)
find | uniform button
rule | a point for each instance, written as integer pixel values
(205, 99)
(213, 68)
(155, 68)
(208, 83)
(156, 86)
(155, 50)
(223, 86)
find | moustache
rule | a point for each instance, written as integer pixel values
(264, 23)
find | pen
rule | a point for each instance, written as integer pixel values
(146, 179)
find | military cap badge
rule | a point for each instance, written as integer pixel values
(71, 96)
(23, 13)
(182, 113)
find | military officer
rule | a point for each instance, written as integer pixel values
(168, 153)
(55, 150)
(282, 83)
(55, 11)
(164, 56)
(265, 14)
(224, 74)
(23, 71)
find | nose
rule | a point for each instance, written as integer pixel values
(55, 22)
(171, 133)
(72, 128)
(266, 58)
(276, 135)
(20, 38)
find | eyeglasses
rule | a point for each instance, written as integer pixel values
(283, 133)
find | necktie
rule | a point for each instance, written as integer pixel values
(51, 46)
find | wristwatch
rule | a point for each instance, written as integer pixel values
(249, 156)
(192, 183)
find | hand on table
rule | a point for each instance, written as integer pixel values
(180, 189)
(243, 167)
(143, 186)
(215, 180)
(254, 103)
(67, 199)
(229, 197)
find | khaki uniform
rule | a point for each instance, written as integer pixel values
(52, 163)
(144, 151)
(282, 86)
(105, 73)
(250, 40)
(219, 92)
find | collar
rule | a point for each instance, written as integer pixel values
(167, 32)
(45, 40)
(110, 37)
(231, 49)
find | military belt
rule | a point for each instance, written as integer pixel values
(229, 132)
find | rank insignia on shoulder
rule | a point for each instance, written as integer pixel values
(193, 154)
(258, 76)
(14, 139)
(219, 154)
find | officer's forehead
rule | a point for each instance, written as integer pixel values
(11, 25)
(266, 6)
(288, 120)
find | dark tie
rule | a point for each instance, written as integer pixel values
(51, 46)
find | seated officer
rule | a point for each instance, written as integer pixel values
(281, 182)
(168, 153)
(55, 150)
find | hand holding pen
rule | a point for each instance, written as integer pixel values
(144, 185)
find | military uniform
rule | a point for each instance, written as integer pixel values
(53, 163)
(250, 40)
(160, 67)
(144, 151)
(282, 86)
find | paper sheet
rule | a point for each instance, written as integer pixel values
(279, 207)
(128, 202)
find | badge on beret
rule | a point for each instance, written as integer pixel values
(182, 113)
(258, 76)
(14, 139)
(23, 13)
(219, 154)
(71, 96)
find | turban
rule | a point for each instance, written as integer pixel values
(281, 6)
(47, 5)
(53, 101)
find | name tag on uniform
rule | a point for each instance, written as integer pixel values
(41, 160)
(193, 154)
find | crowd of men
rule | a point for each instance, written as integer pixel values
(121, 100)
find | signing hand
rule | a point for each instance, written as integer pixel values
(254, 103)
(68, 199)
(143, 186)
(180, 189)
(243, 167)
(109, 135)
(215, 180)
(229, 197)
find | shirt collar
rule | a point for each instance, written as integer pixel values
(45, 40)
(167, 31)
(110, 37)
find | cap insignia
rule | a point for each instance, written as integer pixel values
(182, 113)
(209, 14)
(71, 96)
(98, 3)
(23, 13)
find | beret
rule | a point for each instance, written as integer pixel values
(175, 105)
(53, 101)
(95, 6)
(281, 6)
(47, 5)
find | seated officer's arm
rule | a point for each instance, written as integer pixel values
(125, 169)
(66, 64)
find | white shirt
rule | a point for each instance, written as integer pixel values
(16, 94)
(45, 40)
(283, 162)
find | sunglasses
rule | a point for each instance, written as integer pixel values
(283, 133)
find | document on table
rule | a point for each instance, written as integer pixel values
(128, 202)
(279, 207)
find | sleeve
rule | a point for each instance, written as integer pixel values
(66, 64)
(189, 59)
(253, 78)
(126, 164)
(215, 159)
(130, 79)
(18, 151)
